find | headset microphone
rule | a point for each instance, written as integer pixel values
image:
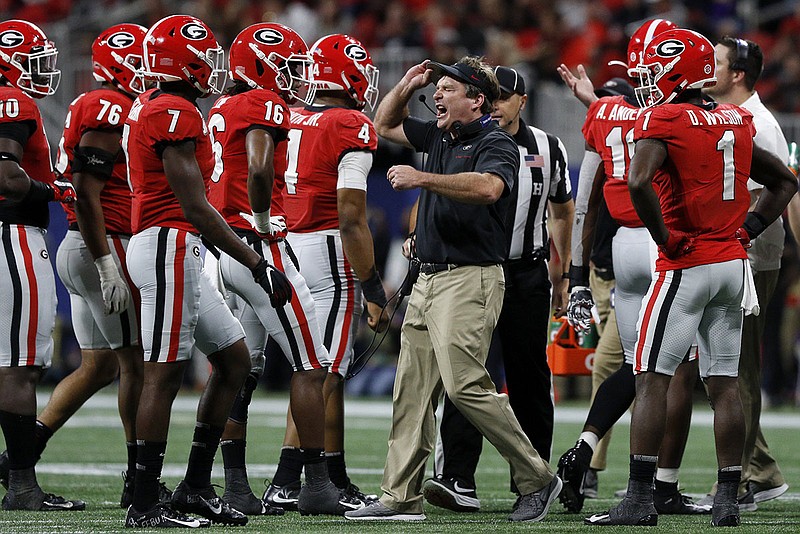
(423, 98)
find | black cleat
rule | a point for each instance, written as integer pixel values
(353, 492)
(627, 512)
(572, 469)
(451, 494)
(204, 502)
(162, 517)
(164, 493)
(670, 501)
(282, 496)
(39, 501)
(249, 504)
(327, 499)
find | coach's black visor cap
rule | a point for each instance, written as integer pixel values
(465, 74)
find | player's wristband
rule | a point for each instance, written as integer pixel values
(754, 224)
(261, 221)
(372, 288)
(578, 276)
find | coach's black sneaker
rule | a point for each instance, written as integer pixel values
(627, 512)
(283, 496)
(670, 501)
(239, 495)
(353, 493)
(204, 502)
(164, 493)
(4, 469)
(39, 501)
(451, 494)
(534, 506)
(163, 517)
(572, 469)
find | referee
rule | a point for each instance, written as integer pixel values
(521, 334)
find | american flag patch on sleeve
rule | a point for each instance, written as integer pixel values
(534, 160)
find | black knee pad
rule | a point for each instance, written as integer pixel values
(242, 400)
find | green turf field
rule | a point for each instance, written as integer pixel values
(85, 458)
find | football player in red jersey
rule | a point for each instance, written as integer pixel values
(608, 131)
(267, 62)
(28, 298)
(325, 165)
(700, 156)
(91, 260)
(170, 161)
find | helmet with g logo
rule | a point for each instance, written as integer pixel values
(117, 57)
(272, 56)
(674, 61)
(183, 48)
(639, 41)
(28, 58)
(341, 63)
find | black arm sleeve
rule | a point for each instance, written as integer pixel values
(18, 131)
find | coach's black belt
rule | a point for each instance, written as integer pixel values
(433, 268)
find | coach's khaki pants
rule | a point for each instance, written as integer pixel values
(444, 343)
(757, 462)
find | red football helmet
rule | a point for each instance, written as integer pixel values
(28, 58)
(341, 63)
(272, 56)
(674, 61)
(117, 57)
(639, 41)
(183, 48)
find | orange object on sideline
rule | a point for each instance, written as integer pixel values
(570, 353)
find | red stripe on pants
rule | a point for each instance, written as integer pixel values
(177, 303)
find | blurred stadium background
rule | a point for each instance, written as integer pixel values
(531, 35)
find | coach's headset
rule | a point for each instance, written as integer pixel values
(742, 53)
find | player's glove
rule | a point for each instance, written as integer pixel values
(63, 191)
(116, 294)
(579, 308)
(274, 282)
(677, 245)
(744, 238)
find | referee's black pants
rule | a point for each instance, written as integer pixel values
(522, 334)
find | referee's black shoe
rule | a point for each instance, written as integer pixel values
(451, 493)
(572, 469)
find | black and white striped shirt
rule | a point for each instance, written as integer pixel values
(543, 175)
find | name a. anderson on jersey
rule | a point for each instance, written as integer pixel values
(618, 113)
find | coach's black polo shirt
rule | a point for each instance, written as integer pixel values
(449, 231)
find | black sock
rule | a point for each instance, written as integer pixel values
(290, 466)
(730, 475)
(233, 452)
(20, 436)
(201, 457)
(149, 463)
(42, 435)
(337, 469)
(130, 446)
(643, 468)
(612, 400)
(312, 456)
